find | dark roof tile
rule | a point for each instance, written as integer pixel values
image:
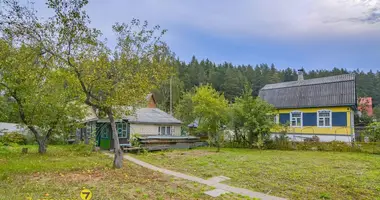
(318, 92)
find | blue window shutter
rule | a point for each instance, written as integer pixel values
(284, 118)
(339, 119)
(309, 119)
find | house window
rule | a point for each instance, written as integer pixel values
(90, 128)
(296, 119)
(324, 118)
(121, 130)
(165, 130)
(104, 132)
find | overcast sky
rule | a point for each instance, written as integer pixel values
(314, 34)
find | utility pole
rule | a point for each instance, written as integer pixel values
(171, 96)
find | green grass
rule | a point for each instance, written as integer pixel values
(289, 174)
(57, 159)
(65, 170)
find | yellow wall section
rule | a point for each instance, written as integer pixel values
(341, 130)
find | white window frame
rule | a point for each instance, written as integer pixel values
(291, 118)
(124, 129)
(324, 126)
(166, 128)
(276, 119)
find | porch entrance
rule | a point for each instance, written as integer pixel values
(105, 137)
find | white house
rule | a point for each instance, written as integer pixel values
(11, 127)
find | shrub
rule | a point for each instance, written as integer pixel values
(14, 137)
(56, 140)
(135, 141)
(280, 142)
(373, 131)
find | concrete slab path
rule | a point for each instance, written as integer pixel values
(210, 182)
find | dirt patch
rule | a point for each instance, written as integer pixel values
(84, 176)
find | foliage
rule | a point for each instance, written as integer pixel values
(252, 118)
(373, 131)
(184, 110)
(280, 142)
(230, 79)
(7, 111)
(135, 140)
(376, 113)
(14, 137)
(210, 108)
(110, 81)
(363, 120)
(41, 94)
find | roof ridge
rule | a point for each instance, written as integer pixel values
(313, 81)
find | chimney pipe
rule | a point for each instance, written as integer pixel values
(300, 75)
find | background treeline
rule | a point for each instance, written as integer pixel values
(230, 79)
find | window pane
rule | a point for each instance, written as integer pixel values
(324, 113)
(163, 130)
(327, 121)
(159, 133)
(320, 122)
(168, 130)
(298, 121)
(296, 114)
(293, 123)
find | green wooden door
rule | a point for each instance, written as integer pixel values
(105, 138)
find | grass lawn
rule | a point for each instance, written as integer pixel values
(65, 170)
(289, 174)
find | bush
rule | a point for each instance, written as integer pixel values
(14, 137)
(373, 131)
(280, 142)
(56, 140)
(135, 141)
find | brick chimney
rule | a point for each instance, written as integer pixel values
(151, 101)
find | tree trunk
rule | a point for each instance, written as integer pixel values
(41, 146)
(40, 140)
(118, 160)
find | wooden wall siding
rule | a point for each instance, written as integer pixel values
(306, 95)
(309, 119)
(342, 123)
(284, 118)
(339, 119)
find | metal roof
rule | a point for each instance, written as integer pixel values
(318, 92)
(147, 116)
(152, 116)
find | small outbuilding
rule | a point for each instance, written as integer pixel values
(148, 122)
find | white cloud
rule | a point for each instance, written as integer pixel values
(248, 18)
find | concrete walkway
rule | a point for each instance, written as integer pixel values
(213, 182)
